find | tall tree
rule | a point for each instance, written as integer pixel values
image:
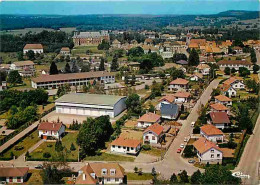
(30, 55)
(51, 175)
(14, 77)
(114, 64)
(133, 104)
(67, 68)
(194, 59)
(85, 68)
(133, 80)
(102, 65)
(196, 177)
(184, 178)
(253, 56)
(74, 68)
(53, 69)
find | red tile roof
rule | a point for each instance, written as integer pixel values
(219, 117)
(24, 63)
(126, 142)
(50, 126)
(179, 81)
(33, 46)
(203, 145)
(169, 97)
(222, 98)
(13, 171)
(202, 66)
(149, 117)
(236, 62)
(156, 128)
(65, 49)
(232, 80)
(211, 130)
(182, 94)
(218, 106)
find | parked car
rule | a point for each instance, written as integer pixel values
(39, 166)
(182, 146)
(185, 139)
(191, 161)
(179, 150)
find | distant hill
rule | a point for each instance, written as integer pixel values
(239, 14)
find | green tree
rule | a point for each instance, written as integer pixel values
(227, 71)
(114, 64)
(51, 175)
(133, 80)
(173, 179)
(53, 69)
(179, 56)
(196, 177)
(253, 86)
(136, 52)
(146, 65)
(30, 55)
(72, 147)
(193, 58)
(58, 146)
(20, 56)
(243, 71)
(102, 65)
(244, 121)
(151, 108)
(74, 68)
(14, 78)
(176, 73)
(133, 104)
(256, 68)
(67, 68)
(184, 178)
(253, 56)
(153, 172)
(104, 45)
(85, 68)
(233, 70)
(126, 78)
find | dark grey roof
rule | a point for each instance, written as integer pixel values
(169, 109)
(182, 62)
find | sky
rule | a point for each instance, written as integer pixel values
(156, 7)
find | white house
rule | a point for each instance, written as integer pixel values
(179, 83)
(166, 54)
(167, 99)
(126, 146)
(65, 51)
(223, 100)
(101, 173)
(235, 83)
(181, 97)
(55, 130)
(219, 119)
(116, 44)
(208, 152)
(13, 174)
(153, 134)
(148, 119)
(228, 91)
(90, 104)
(203, 69)
(73, 79)
(196, 77)
(25, 68)
(36, 48)
(211, 133)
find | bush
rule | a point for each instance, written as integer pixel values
(196, 130)
(46, 155)
(184, 115)
(72, 147)
(146, 147)
(49, 145)
(188, 151)
(18, 148)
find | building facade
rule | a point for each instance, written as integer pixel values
(90, 38)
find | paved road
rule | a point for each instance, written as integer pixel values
(172, 162)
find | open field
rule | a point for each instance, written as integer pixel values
(109, 157)
(136, 176)
(154, 151)
(83, 49)
(35, 30)
(34, 177)
(8, 57)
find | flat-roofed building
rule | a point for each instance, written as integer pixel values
(90, 104)
(75, 79)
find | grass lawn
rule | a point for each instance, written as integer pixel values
(135, 176)
(26, 143)
(26, 85)
(8, 57)
(109, 157)
(46, 107)
(34, 177)
(154, 151)
(83, 49)
(50, 148)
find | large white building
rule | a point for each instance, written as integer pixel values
(90, 104)
(36, 48)
(236, 64)
(126, 146)
(75, 79)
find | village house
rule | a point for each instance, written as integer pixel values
(218, 107)
(181, 97)
(223, 100)
(169, 111)
(25, 68)
(126, 146)
(90, 38)
(90, 104)
(65, 51)
(208, 152)
(101, 173)
(211, 133)
(237, 49)
(36, 48)
(228, 91)
(13, 174)
(196, 77)
(219, 119)
(203, 69)
(116, 44)
(167, 99)
(236, 64)
(148, 119)
(235, 82)
(134, 66)
(179, 83)
(73, 79)
(48, 129)
(3, 85)
(153, 134)
(148, 41)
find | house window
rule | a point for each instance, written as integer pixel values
(153, 138)
(112, 171)
(212, 156)
(108, 179)
(124, 147)
(218, 155)
(104, 171)
(212, 151)
(119, 147)
(132, 148)
(146, 137)
(113, 146)
(117, 179)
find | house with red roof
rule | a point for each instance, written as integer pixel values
(218, 107)
(126, 146)
(211, 133)
(65, 51)
(167, 99)
(219, 119)
(203, 69)
(208, 152)
(148, 119)
(179, 83)
(13, 174)
(223, 100)
(235, 82)
(228, 91)
(36, 48)
(55, 130)
(153, 134)
(181, 97)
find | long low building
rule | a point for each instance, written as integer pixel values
(75, 79)
(90, 104)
